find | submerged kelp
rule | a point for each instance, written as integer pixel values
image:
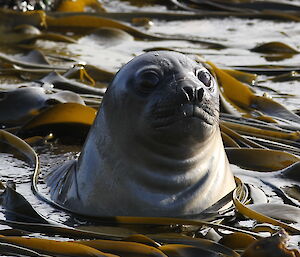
(80, 52)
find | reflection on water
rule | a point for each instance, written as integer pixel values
(14, 169)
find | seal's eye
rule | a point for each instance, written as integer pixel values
(204, 77)
(148, 80)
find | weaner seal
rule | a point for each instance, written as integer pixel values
(155, 148)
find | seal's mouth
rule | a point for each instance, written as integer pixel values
(165, 116)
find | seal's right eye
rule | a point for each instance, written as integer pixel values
(147, 81)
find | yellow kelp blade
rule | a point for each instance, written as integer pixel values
(283, 212)
(13, 18)
(259, 132)
(228, 141)
(20, 105)
(63, 231)
(274, 109)
(247, 212)
(234, 90)
(207, 245)
(122, 248)
(140, 238)
(241, 97)
(242, 76)
(54, 247)
(34, 59)
(20, 146)
(14, 250)
(260, 159)
(236, 138)
(85, 21)
(274, 47)
(237, 240)
(61, 82)
(177, 250)
(65, 113)
(78, 5)
(70, 122)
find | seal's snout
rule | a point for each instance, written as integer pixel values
(193, 95)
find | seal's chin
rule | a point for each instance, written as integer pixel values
(186, 116)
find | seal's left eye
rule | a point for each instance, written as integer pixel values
(204, 77)
(148, 80)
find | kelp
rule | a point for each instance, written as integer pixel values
(123, 248)
(248, 212)
(10, 249)
(264, 159)
(237, 240)
(26, 34)
(275, 47)
(289, 76)
(276, 244)
(184, 245)
(67, 120)
(47, 246)
(262, 132)
(63, 113)
(180, 16)
(34, 59)
(242, 99)
(88, 21)
(21, 105)
(187, 250)
(17, 208)
(269, 69)
(79, 6)
(61, 82)
(283, 212)
(236, 6)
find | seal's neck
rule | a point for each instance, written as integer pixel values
(147, 178)
(179, 151)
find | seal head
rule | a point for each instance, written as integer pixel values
(155, 148)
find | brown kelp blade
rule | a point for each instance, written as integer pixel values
(260, 159)
(63, 120)
(33, 59)
(53, 247)
(283, 212)
(242, 98)
(20, 105)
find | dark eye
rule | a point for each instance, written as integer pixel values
(204, 77)
(148, 80)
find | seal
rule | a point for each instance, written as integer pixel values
(155, 148)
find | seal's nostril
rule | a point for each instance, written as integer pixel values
(199, 94)
(189, 92)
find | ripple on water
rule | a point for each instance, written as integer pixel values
(14, 169)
